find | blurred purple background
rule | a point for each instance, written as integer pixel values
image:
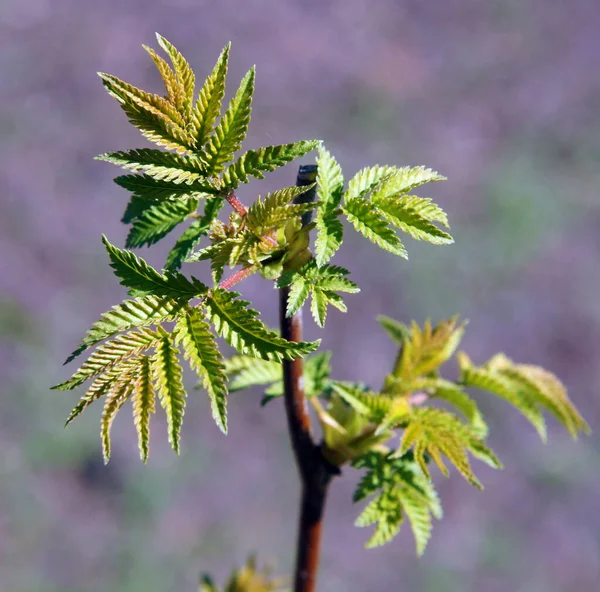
(502, 96)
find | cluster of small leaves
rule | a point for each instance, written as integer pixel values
(246, 579)
(401, 489)
(376, 201)
(123, 369)
(322, 284)
(168, 187)
(141, 357)
(359, 424)
(258, 240)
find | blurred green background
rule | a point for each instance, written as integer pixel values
(502, 96)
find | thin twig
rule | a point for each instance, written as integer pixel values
(315, 471)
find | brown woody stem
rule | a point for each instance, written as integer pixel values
(315, 471)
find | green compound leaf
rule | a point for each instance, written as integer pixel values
(401, 489)
(162, 166)
(201, 351)
(425, 350)
(238, 325)
(322, 283)
(110, 354)
(529, 388)
(330, 187)
(189, 239)
(255, 163)
(142, 279)
(138, 312)
(208, 105)
(167, 376)
(231, 130)
(146, 187)
(157, 221)
(143, 401)
(435, 432)
(366, 220)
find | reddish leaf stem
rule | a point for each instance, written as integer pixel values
(236, 204)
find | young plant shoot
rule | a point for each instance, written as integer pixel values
(397, 436)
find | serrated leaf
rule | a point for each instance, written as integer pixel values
(143, 405)
(110, 354)
(255, 163)
(116, 398)
(166, 73)
(231, 130)
(184, 76)
(398, 331)
(502, 387)
(238, 325)
(160, 165)
(138, 312)
(146, 187)
(189, 239)
(419, 517)
(387, 513)
(297, 296)
(330, 188)
(154, 116)
(157, 221)
(435, 432)
(208, 105)
(406, 179)
(201, 351)
(330, 181)
(529, 388)
(364, 401)
(247, 371)
(405, 489)
(366, 180)
(454, 395)
(167, 376)
(135, 208)
(318, 306)
(337, 284)
(142, 279)
(409, 220)
(425, 350)
(366, 220)
(275, 209)
(101, 387)
(330, 235)
(552, 395)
